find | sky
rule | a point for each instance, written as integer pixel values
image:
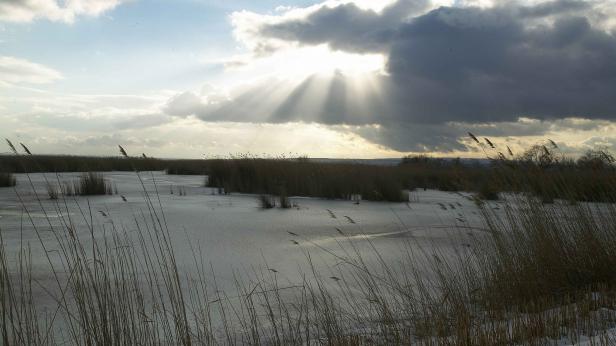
(317, 78)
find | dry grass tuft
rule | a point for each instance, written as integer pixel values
(266, 202)
(283, 199)
(53, 191)
(7, 179)
(91, 184)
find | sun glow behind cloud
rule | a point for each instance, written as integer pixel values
(306, 61)
(298, 83)
(310, 84)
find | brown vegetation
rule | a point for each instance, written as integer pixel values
(540, 273)
(7, 179)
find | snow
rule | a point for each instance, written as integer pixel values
(231, 229)
(233, 233)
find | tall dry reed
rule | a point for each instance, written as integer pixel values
(7, 179)
(538, 274)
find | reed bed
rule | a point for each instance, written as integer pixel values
(533, 279)
(559, 179)
(266, 202)
(69, 163)
(546, 252)
(89, 184)
(538, 274)
(542, 170)
(305, 178)
(284, 201)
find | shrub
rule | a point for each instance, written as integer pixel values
(541, 155)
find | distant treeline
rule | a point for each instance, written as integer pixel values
(61, 163)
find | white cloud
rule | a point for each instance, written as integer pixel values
(54, 10)
(14, 70)
(93, 114)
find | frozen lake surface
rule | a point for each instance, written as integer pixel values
(231, 230)
(238, 241)
(236, 237)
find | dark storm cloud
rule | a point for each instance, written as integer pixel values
(473, 64)
(450, 69)
(347, 27)
(446, 137)
(478, 65)
(551, 8)
(415, 137)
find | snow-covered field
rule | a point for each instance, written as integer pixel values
(231, 230)
(232, 233)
